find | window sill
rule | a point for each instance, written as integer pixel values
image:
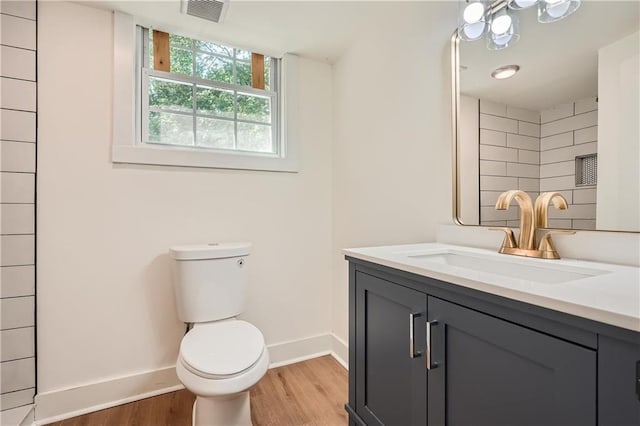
(180, 157)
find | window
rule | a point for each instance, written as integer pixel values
(209, 97)
(199, 103)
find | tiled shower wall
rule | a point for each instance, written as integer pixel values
(535, 152)
(509, 158)
(17, 197)
(567, 131)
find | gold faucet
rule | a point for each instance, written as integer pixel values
(530, 219)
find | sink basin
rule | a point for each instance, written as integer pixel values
(544, 272)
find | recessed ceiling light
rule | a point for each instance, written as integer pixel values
(505, 72)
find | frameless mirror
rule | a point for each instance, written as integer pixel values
(567, 121)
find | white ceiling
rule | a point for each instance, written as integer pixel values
(321, 30)
(558, 60)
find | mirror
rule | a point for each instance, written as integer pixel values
(568, 121)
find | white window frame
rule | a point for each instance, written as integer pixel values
(127, 142)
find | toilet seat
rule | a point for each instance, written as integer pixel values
(221, 350)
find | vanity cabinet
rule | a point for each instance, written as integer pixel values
(422, 351)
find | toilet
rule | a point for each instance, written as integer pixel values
(220, 357)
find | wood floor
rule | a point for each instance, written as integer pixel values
(312, 392)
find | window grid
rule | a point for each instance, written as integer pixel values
(196, 82)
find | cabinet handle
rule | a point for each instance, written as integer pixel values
(412, 339)
(428, 351)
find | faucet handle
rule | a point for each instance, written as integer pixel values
(509, 238)
(546, 246)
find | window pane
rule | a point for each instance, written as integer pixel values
(170, 95)
(254, 108)
(214, 102)
(179, 41)
(267, 77)
(214, 48)
(214, 68)
(181, 61)
(212, 133)
(170, 129)
(254, 137)
(243, 74)
(243, 54)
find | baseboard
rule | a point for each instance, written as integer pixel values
(63, 404)
(340, 351)
(66, 403)
(19, 416)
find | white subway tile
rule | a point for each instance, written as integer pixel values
(18, 375)
(529, 184)
(16, 281)
(17, 312)
(575, 211)
(590, 134)
(491, 122)
(523, 170)
(528, 129)
(17, 219)
(498, 183)
(564, 168)
(497, 153)
(556, 141)
(491, 137)
(17, 343)
(493, 108)
(21, 8)
(17, 250)
(17, 187)
(559, 223)
(576, 122)
(17, 157)
(489, 198)
(18, 63)
(584, 196)
(523, 114)
(523, 142)
(567, 153)
(17, 399)
(557, 183)
(513, 223)
(528, 157)
(17, 125)
(493, 168)
(17, 32)
(556, 113)
(17, 94)
(490, 213)
(587, 224)
(585, 105)
(493, 222)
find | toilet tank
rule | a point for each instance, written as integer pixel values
(210, 280)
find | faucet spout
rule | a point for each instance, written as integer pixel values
(542, 207)
(527, 226)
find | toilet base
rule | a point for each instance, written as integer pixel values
(227, 410)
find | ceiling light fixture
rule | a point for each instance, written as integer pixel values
(497, 19)
(505, 72)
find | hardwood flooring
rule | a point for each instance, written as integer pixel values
(307, 393)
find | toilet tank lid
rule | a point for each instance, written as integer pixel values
(210, 251)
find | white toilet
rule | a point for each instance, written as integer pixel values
(221, 357)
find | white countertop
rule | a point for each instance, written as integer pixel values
(612, 297)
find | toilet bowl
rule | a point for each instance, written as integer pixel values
(218, 362)
(221, 357)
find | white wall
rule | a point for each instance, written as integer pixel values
(105, 302)
(392, 139)
(469, 152)
(618, 88)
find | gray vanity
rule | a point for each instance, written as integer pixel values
(431, 341)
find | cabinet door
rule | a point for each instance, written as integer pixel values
(493, 372)
(390, 373)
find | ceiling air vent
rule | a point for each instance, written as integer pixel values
(211, 10)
